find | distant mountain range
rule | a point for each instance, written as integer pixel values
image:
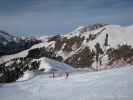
(10, 44)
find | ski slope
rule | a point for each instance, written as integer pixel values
(48, 66)
(115, 84)
(51, 65)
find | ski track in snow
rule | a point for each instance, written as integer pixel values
(115, 84)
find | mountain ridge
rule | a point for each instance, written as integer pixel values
(11, 44)
(70, 44)
(98, 49)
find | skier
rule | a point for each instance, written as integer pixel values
(53, 74)
(67, 74)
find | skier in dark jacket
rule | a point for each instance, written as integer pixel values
(67, 74)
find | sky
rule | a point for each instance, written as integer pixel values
(50, 17)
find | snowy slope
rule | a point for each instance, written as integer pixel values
(117, 35)
(23, 53)
(48, 66)
(27, 76)
(71, 44)
(116, 84)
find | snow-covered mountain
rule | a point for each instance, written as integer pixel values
(6, 37)
(96, 47)
(117, 35)
(33, 60)
(10, 44)
(116, 84)
(81, 40)
(71, 46)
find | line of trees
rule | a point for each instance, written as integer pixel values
(99, 52)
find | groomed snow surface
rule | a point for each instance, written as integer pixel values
(115, 84)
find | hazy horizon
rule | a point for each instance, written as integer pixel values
(49, 17)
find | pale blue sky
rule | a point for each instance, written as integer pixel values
(44, 17)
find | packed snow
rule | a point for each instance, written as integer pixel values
(50, 65)
(115, 84)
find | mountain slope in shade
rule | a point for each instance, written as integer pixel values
(10, 44)
(112, 84)
(23, 53)
(6, 37)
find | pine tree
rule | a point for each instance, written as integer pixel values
(106, 41)
(98, 52)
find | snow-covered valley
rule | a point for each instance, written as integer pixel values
(115, 84)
